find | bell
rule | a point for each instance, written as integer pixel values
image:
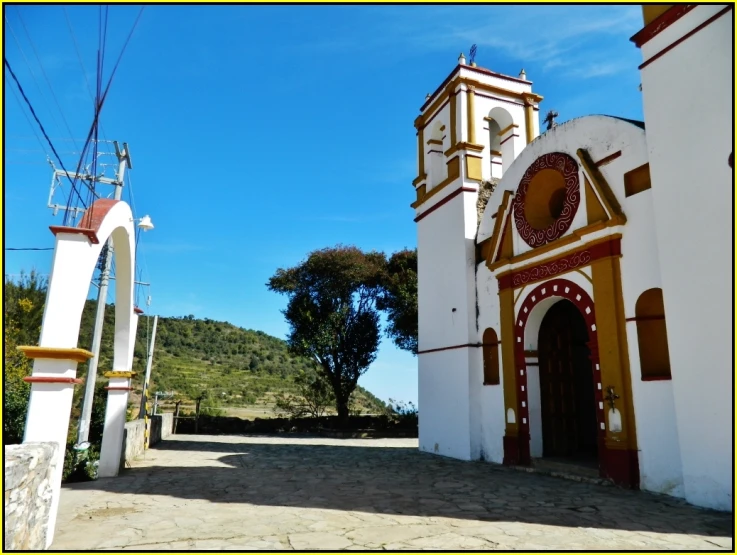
(145, 223)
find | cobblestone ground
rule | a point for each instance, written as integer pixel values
(245, 493)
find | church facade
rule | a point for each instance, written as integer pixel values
(560, 315)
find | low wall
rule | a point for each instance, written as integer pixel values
(161, 427)
(28, 493)
(357, 426)
(134, 439)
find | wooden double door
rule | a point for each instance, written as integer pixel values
(567, 394)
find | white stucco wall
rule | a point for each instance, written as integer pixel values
(444, 426)
(447, 318)
(490, 397)
(659, 455)
(657, 432)
(688, 107)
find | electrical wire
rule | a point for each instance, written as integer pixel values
(81, 63)
(33, 73)
(101, 99)
(33, 112)
(43, 71)
(25, 115)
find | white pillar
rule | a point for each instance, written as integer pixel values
(117, 404)
(52, 388)
(112, 435)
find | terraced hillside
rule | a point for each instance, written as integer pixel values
(241, 371)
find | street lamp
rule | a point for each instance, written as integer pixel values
(145, 223)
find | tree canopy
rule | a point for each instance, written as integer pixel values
(332, 313)
(399, 299)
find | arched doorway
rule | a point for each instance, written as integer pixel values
(567, 392)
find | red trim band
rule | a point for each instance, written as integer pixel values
(90, 233)
(50, 379)
(661, 23)
(113, 388)
(692, 32)
(643, 318)
(563, 264)
(446, 199)
(505, 140)
(450, 348)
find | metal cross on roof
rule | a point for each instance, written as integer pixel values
(472, 54)
(550, 119)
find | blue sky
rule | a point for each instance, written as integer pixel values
(261, 133)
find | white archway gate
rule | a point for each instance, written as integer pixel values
(56, 357)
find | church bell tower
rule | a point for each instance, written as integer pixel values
(469, 131)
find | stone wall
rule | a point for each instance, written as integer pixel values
(133, 441)
(135, 436)
(161, 427)
(28, 492)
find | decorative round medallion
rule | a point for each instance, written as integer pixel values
(547, 199)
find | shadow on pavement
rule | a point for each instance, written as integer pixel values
(396, 480)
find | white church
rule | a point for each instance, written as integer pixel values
(575, 284)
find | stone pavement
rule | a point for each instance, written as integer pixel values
(246, 493)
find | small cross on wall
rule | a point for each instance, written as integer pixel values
(611, 396)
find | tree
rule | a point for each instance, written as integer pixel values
(398, 299)
(314, 395)
(332, 314)
(22, 316)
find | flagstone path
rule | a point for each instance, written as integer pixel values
(283, 493)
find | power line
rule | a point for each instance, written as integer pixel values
(25, 115)
(33, 112)
(33, 73)
(43, 71)
(81, 63)
(100, 100)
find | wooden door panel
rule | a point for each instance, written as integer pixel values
(566, 382)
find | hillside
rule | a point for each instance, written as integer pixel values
(241, 370)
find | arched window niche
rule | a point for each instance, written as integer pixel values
(490, 349)
(652, 337)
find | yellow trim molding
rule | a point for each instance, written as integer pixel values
(506, 314)
(603, 191)
(449, 91)
(419, 179)
(507, 128)
(499, 221)
(435, 142)
(119, 374)
(529, 114)
(464, 146)
(584, 274)
(454, 172)
(471, 114)
(473, 167)
(56, 353)
(575, 237)
(613, 352)
(421, 150)
(453, 120)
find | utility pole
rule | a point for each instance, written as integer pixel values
(149, 361)
(83, 430)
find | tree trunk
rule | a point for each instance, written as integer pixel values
(342, 406)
